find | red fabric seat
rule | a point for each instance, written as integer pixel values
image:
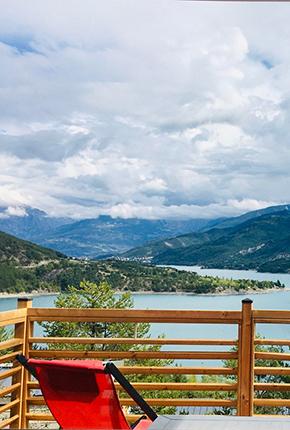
(80, 395)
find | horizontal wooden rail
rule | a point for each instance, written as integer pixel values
(10, 372)
(280, 356)
(9, 389)
(131, 341)
(137, 355)
(184, 370)
(272, 403)
(272, 370)
(173, 370)
(134, 316)
(278, 342)
(270, 316)
(185, 386)
(33, 416)
(12, 317)
(11, 343)
(272, 387)
(273, 321)
(9, 357)
(38, 401)
(166, 386)
(9, 405)
(8, 421)
(184, 402)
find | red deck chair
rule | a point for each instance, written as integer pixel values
(81, 394)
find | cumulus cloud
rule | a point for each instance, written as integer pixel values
(144, 109)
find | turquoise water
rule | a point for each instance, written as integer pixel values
(270, 300)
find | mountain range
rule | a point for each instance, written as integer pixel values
(261, 242)
(257, 239)
(94, 238)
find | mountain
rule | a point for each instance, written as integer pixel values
(261, 243)
(33, 225)
(27, 267)
(231, 222)
(103, 236)
(23, 253)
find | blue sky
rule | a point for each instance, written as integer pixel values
(150, 109)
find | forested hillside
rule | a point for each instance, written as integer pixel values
(262, 243)
(28, 267)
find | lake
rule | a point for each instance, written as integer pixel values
(269, 300)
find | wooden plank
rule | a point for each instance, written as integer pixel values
(10, 372)
(130, 341)
(39, 417)
(173, 370)
(32, 385)
(272, 387)
(272, 402)
(281, 356)
(7, 344)
(9, 389)
(183, 402)
(142, 370)
(272, 321)
(36, 401)
(272, 370)
(7, 316)
(177, 386)
(259, 315)
(9, 357)
(281, 342)
(9, 405)
(134, 315)
(39, 401)
(6, 423)
(151, 386)
(138, 355)
(11, 321)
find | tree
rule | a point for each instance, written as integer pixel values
(102, 296)
(90, 295)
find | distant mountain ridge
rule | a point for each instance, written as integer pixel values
(261, 243)
(32, 225)
(104, 236)
(98, 237)
(231, 222)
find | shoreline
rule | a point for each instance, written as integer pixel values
(26, 295)
(168, 293)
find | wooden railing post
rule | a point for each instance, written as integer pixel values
(246, 360)
(21, 332)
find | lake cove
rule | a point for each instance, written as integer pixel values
(269, 300)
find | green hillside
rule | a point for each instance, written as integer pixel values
(28, 267)
(24, 253)
(262, 243)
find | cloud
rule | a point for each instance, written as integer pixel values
(144, 109)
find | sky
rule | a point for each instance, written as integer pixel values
(149, 109)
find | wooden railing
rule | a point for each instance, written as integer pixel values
(21, 403)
